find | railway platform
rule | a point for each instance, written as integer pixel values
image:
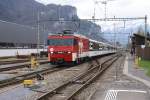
(134, 71)
(136, 85)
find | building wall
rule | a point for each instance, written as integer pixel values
(143, 53)
(15, 52)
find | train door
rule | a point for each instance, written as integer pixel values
(80, 49)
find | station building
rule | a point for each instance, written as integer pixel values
(138, 44)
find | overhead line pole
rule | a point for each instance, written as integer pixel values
(109, 19)
(101, 19)
(38, 33)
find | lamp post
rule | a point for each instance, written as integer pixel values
(38, 30)
(44, 37)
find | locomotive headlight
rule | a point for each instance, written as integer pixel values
(52, 52)
(69, 52)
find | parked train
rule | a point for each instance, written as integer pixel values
(68, 47)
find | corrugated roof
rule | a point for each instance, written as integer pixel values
(148, 37)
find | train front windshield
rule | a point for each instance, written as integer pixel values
(60, 42)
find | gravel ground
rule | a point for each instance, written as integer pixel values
(56, 79)
(110, 78)
(113, 77)
(51, 81)
(86, 93)
(20, 71)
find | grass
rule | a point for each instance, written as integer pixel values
(145, 64)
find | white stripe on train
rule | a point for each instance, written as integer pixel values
(90, 54)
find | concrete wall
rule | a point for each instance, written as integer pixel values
(13, 52)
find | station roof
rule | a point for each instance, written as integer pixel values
(141, 36)
(140, 39)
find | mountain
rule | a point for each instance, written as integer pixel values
(26, 12)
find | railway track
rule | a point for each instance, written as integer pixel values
(16, 60)
(17, 65)
(72, 87)
(30, 75)
(13, 61)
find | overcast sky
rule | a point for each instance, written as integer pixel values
(124, 8)
(118, 8)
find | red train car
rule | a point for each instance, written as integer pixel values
(68, 48)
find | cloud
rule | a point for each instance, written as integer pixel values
(85, 9)
(62, 2)
(118, 8)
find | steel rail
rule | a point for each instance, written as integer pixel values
(20, 78)
(18, 65)
(45, 96)
(90, 80)
(5, 62)
(13, 61)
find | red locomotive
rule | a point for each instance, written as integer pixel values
(67, 47)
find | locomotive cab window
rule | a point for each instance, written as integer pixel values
(61, 42)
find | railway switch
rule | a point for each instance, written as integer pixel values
(40, 77)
